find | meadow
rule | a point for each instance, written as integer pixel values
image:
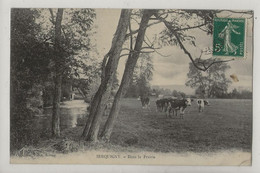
(225, 125)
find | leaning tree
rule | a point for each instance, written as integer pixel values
(109, 68)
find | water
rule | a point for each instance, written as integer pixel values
(72, 113)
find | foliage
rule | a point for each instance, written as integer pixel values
(47, 93)
(29, 64)
(182, 21)
(75, 42)
(236, 94)
(78, 51)
(29, 68)
(142, 75)
(178, 94)
(34, 101)
(32, 62)
(211, 83)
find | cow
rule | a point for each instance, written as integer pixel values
(159, 105)
(177, 104)
(201, 104)
(162, 104)
(145, 102)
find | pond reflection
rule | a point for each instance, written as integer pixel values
(72, 114)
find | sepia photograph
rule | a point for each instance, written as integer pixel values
(131, 86)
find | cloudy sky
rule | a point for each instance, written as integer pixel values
(173, 69)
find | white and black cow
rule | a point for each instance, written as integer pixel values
(201, 104)
(181, 105)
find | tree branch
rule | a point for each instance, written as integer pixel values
(251, 13)
(44, 41)
(151, 47)
(191, 27)
(167, 13)
(232, 11)
(52, 16)
(215, 62)
(135, 20)
(63, 31)
(136, 31)
(175, 33)
(126, 54)
(134, 51)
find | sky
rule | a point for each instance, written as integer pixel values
(173, 69)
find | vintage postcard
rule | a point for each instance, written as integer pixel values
(131, 86)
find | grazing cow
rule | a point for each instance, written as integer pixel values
(176, 105)
(201, 103)
(145, 102)
(162, 104)
(159, 105)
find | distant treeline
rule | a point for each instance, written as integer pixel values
(235, 94)
(134, 91)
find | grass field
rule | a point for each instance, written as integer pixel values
(224, 125)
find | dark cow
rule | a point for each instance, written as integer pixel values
(145, 102)
(163, 104)
(159, 105)
(176, 105)
(201, 103)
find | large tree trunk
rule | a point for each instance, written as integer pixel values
(98, 104)
(128, 75)
(58, 76)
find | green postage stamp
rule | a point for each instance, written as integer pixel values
(229, 37)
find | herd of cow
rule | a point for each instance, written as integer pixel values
(171, 105)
